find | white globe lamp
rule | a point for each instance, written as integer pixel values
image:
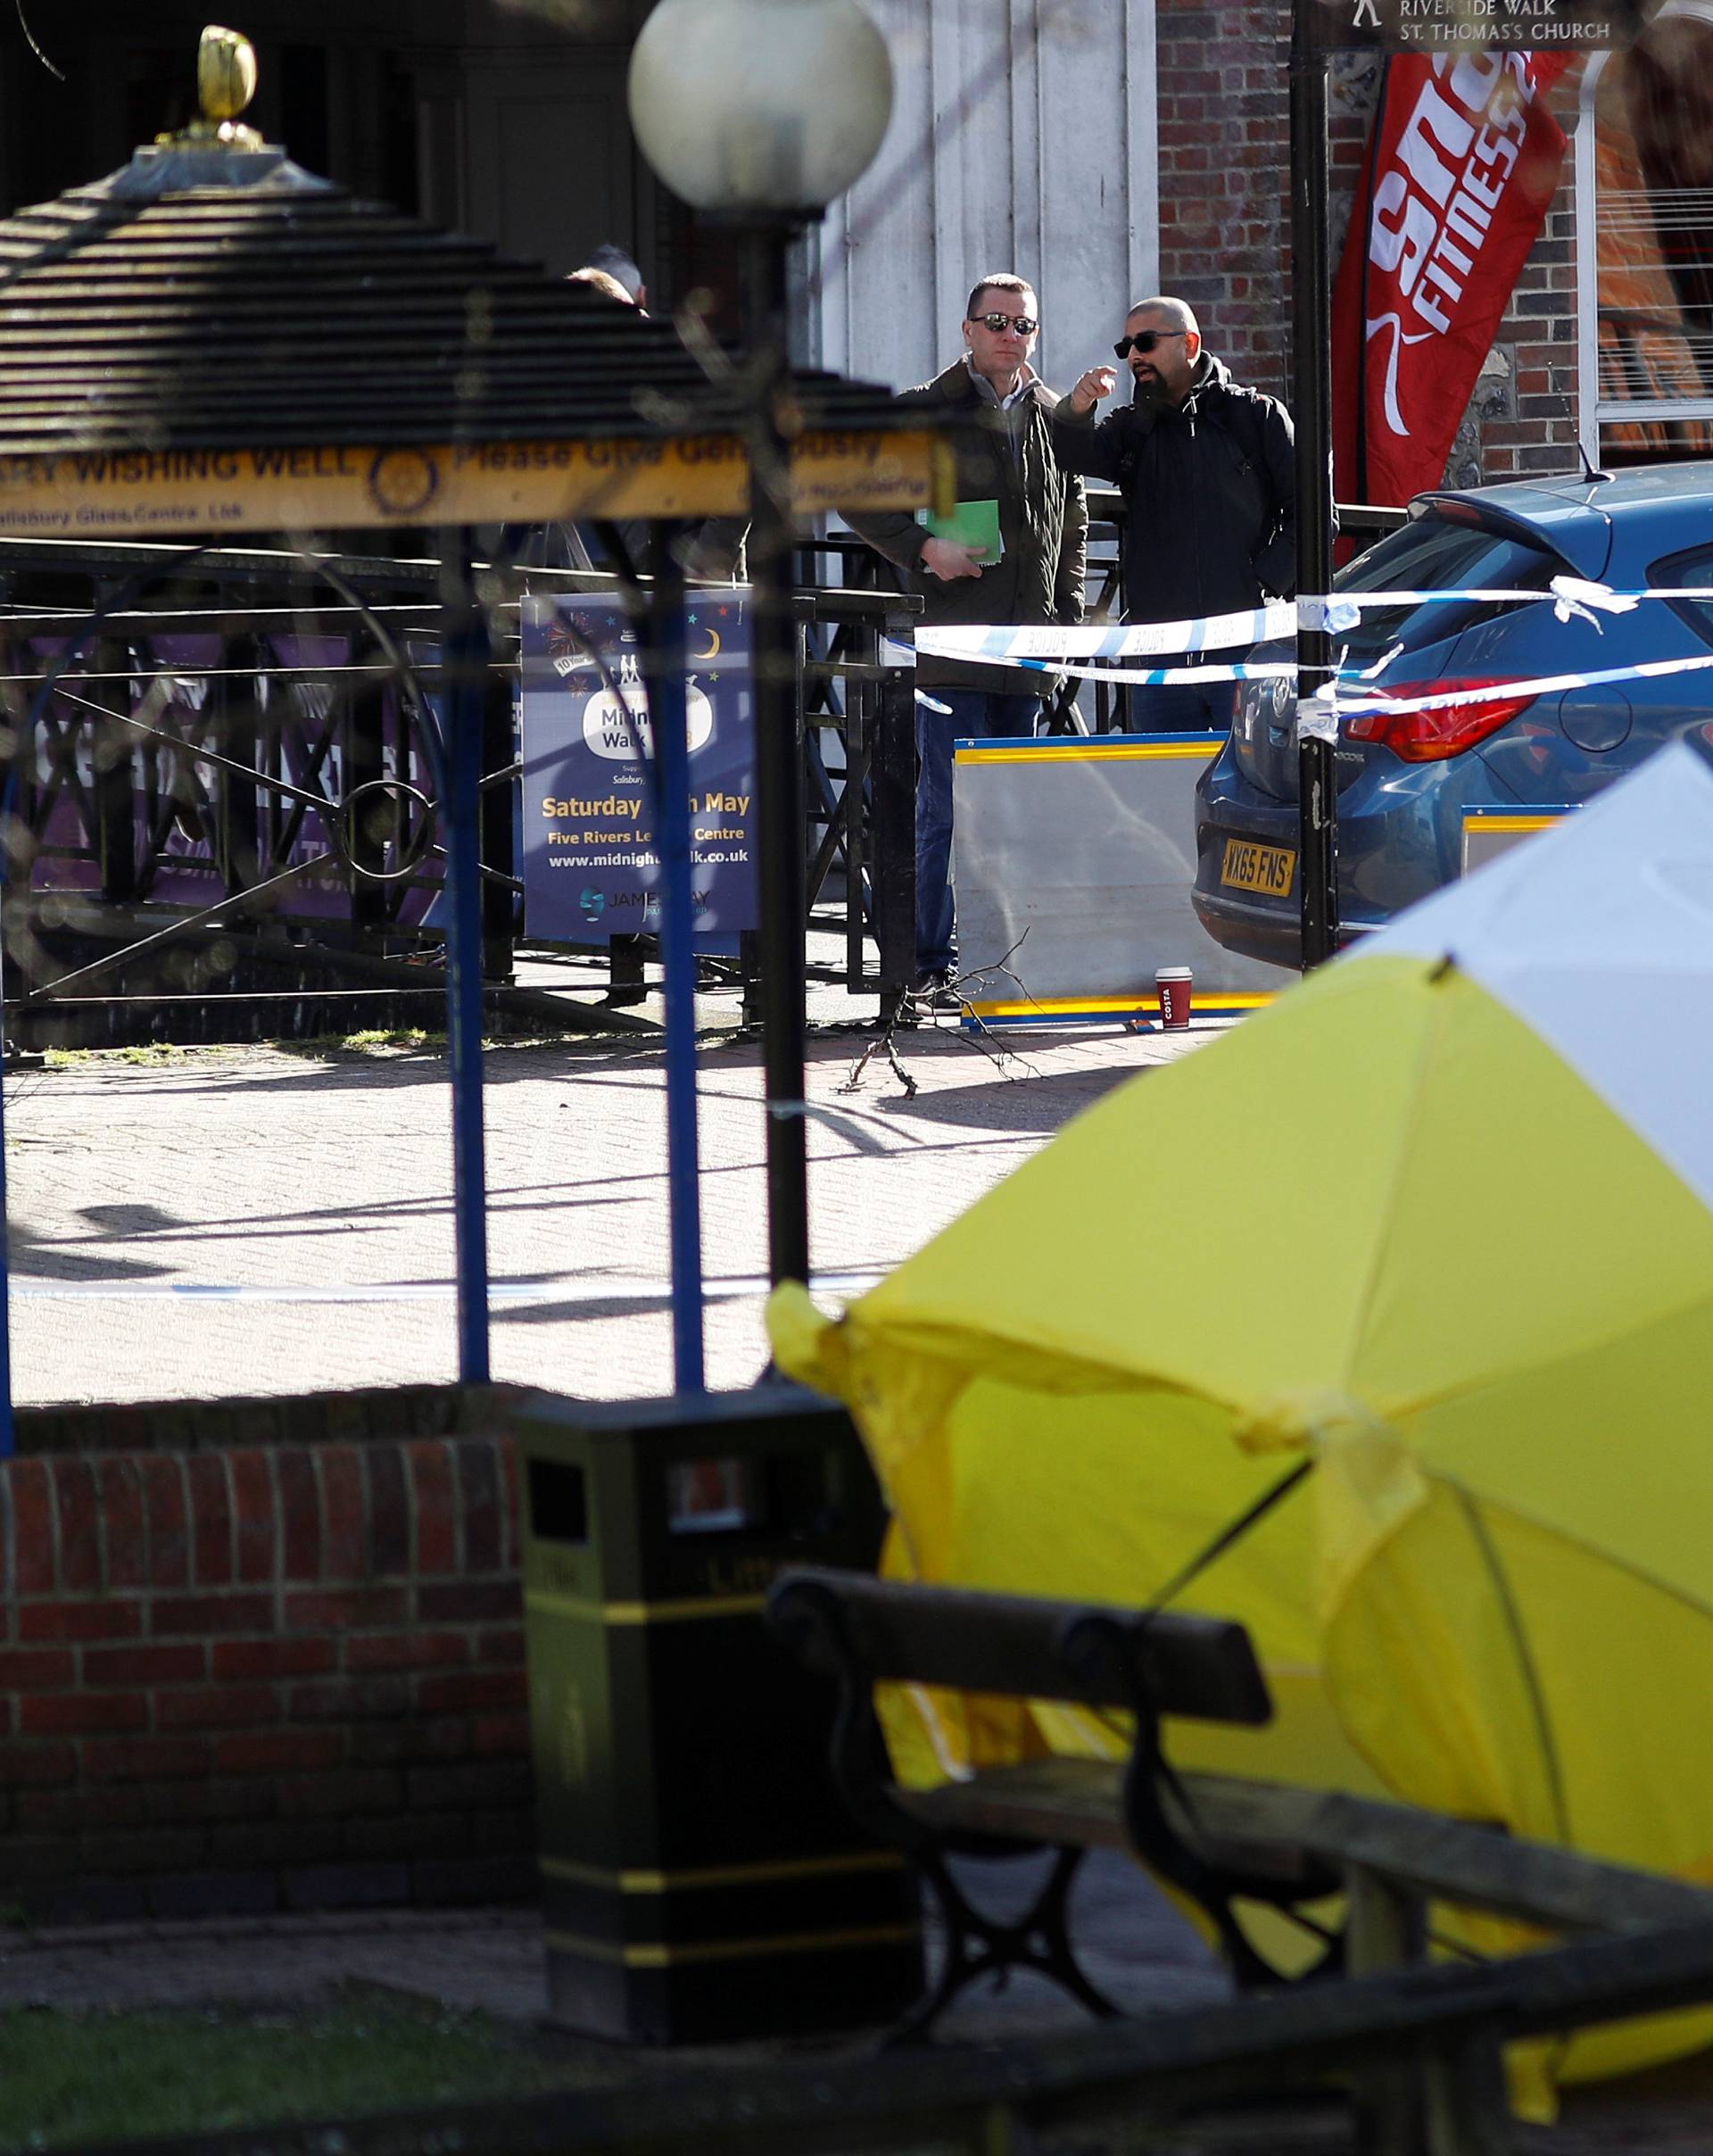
(751, 108)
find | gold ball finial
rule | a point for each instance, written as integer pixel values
(226, 74)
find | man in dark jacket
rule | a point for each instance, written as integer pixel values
(1004, 458)
(1208, 472)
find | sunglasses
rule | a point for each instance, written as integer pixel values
(1025, 325)
(1145, 340)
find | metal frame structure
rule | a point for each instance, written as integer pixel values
(140, 748)
(87, 715)
(235, 744)
(860, 813)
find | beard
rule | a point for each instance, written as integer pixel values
(1148, 393)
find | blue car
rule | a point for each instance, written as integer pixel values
(1411, 782)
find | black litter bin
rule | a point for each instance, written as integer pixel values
(701, 1879)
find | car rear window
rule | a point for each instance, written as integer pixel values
(1694, 568)
(1432, 554)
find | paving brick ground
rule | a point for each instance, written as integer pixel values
(307, 1201)
(1136, 1946)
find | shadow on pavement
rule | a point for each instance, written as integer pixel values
(37, 1257)
(1031, 1104)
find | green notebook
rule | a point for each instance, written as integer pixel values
(972, 524)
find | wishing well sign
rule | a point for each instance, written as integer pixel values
(591, 860)
(124, 492)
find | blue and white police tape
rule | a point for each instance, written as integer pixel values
(1217, 632)
(1059, 647)
(1284, 669)
(555, 1287)
(1250, 669)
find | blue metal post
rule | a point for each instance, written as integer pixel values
(465, 652)
(666, 712)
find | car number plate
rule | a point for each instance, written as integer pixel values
(1248, 867)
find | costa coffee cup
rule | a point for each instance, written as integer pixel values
(1173, 985)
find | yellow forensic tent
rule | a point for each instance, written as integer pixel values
(1438, 1224)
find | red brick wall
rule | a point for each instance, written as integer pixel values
(1224, 126)
(264, 1672)
(1225, 245)
(1539, 333)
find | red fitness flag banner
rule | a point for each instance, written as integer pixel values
(1462, 162)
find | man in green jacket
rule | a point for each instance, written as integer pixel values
(1009, 479)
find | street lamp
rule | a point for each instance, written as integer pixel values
(760, 108)
(1317, 770)
(759, 113)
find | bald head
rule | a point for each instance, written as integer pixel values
(1164, 313)
(1164, 373)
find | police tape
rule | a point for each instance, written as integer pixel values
(1254, 669)
(1057, 648)
(646, 1290)
(1377, 700)
(1137, 640)
(1090, 653)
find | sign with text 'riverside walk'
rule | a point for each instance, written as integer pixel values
(1460, 26)
(592, 862)
(137, 494)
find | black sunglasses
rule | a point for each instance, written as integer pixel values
(1025, 325)
(1145, 340)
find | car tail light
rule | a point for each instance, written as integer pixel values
(1428, 737)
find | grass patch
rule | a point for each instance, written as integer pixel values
(414, 1040)
(406, 1036)
(378, 1040)
(148, 1051)
(79, 2077)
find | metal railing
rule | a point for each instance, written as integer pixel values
(223, 793)
(223, 774)
(856, 700)
(223, 785)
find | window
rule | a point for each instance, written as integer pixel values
(1693, 571)
(1644, 217)
(1434, 553)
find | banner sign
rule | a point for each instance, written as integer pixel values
(591, 862)
(1461, 26)
(1462, 163)
(144, 494)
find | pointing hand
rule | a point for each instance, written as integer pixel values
(1098, 382)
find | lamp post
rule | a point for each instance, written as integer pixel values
(759, 113)
(1311, 309)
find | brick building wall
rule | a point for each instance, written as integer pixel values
(246, 1664)
(1538, 432)
(1224, 126)
(1224, 129)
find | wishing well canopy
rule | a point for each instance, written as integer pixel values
(213, 340)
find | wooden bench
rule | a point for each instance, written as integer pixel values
(859, 1630)
(1220, 1839)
